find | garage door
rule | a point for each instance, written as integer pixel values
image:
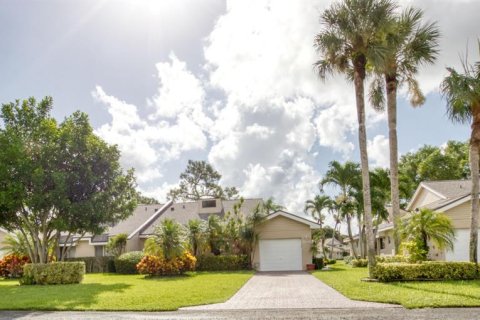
(280, 255)
(460, 247)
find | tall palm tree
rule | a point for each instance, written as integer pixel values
(462, 92)
(337, 217)
(315, 208)
(345, 177)
(427, 225)
(349, 41)
(409, 44)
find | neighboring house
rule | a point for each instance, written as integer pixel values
(335, 249)
(284, 238)
(3, 234)
(384, 245)
(451, 197)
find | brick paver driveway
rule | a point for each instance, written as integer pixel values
(274, 290)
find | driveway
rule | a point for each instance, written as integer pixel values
(287, 290)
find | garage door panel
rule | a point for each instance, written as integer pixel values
(280, 255)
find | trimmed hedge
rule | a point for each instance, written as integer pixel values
(359, 263)
(53, 273)
(428, 270)
(328, 261)
(96, 264)
(393, 259)
(156, 266)
(223, 262)
(127, 262)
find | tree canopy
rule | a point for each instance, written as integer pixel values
(58, 177)
(200, 180)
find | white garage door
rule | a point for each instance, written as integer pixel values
(461, 247)
(280, 255)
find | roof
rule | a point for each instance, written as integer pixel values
(295, 217)
(450, 192)
(182, 212)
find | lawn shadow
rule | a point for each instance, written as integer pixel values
(408, 285)
(57, 297)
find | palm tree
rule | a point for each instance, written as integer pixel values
(15, 243)
(214, 233)
(169, 235)
(344, 177)
(249, 230)
(195, 230)
(348, 42)
(409, 44)
(337, 217)
(270, 206)
(315, 207)
(462, 92)
(427, 225)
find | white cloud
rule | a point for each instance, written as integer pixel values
(378, 151)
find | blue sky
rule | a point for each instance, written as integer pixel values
(229, 82)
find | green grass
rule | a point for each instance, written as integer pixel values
(420, 294)
(124, 292)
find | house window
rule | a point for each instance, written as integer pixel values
(99, 251)
(209, 203)
(388, 240)
(382, 243)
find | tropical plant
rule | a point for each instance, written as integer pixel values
(169, 235)
(351, 38)
(316, 208)
(269, 206)
(345, 177)
(196, 236)
(249, 230)
(116, 245)
(462, 92)
(427, 225)
(214, 234)
(409, 44)
(15, 244)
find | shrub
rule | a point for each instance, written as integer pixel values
(96, 264)
(318, 262)
(429, 270)
(394, 259)
(222, 262)
(359, 263)
(11, 266)
(116, 245)
(332, 261)
(53, 273)
(157, 266)
(127, 262)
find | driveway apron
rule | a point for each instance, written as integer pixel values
(275, 290)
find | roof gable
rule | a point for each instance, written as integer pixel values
(294, 217)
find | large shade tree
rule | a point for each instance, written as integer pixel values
(462, 92)
(57, 177)
(409, 43)
(350, 39)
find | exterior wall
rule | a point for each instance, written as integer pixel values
(460, 215)
(389, 246)
(424, 197)
(134, 244)
(460, 247)
(284, 228)
(2, 237)
(84, 249)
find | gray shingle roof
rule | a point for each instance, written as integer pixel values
(139, 216)
(450, 188)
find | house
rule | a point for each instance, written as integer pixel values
(451, 197)
(284, 238)
(335, 248)
(384, 245)
(3, 234)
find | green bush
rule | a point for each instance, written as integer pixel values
(359, 263)
(127, 262)
(319, 263)
(428, 270)
(393, 259)
(348, 259)
(222, 262)
(96, 264)
(53, 273)
(328, 261)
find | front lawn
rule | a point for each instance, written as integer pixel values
(125, 292)
(423, 294)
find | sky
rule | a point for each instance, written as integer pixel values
(229, 82)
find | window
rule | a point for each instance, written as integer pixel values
(382, 243)
(388, 240)
(209, 203)
(99, 251)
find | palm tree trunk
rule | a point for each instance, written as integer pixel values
(391, 84)
(358, 77)
(474, 167)
(350, 236)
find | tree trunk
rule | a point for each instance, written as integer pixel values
(358, 77)
(391, 85)
(474, 168)
(350, 236)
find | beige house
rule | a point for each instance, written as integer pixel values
(3, 234)
(284, 238)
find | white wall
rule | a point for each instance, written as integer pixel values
(461, 247)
